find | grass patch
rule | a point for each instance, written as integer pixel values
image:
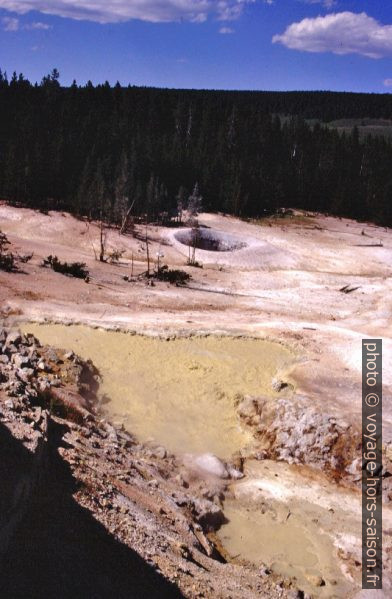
(297, 220)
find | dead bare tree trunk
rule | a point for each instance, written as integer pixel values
(194, 241)
(194, 250)
(92, 245)
(126, 218)
(148, 250)
(102, 241)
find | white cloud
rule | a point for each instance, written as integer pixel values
(10, 24)
(387, 82)
(38, 25)
(229, 11)
(340, 33)
(226, 30)
(116, 11)
(327, 3)
(13, 24)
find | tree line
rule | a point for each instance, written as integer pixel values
(97, 150)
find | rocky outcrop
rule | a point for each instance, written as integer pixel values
(32, 384)
(42, 374)
(289, 429)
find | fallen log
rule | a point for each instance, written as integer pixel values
(348, 289)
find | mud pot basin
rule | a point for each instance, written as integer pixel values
(210, 240)
(180, 392)
(183, 393)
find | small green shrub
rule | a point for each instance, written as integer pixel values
(173, 276)
(7, 262)
(115, 256)
(73, 269)
(194, 263)
(7, 258)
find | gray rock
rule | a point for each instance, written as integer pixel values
(43, 385)
(33, 352)
(52, 356)
(112, 434)
(25, 374)
(159, 452)
(31, 340)
(20, 361)
(11, 349)
(278, 384)
(13, 338)
(16, 389)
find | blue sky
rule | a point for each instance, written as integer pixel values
(222, 44)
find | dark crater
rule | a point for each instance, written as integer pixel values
(210, 240)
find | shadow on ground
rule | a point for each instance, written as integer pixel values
(58, 549)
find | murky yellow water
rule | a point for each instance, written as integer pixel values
(181, 392)
(295, 537)
(290, 546)
(263, 536)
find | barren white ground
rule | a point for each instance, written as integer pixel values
(284, 285)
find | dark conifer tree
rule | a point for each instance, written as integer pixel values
(97, 150)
